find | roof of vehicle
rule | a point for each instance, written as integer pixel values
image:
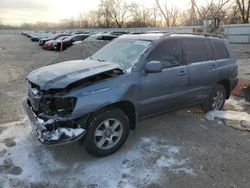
(81, 34)
(76, 35)
(197, 35)
(156, 36)
(148, 36)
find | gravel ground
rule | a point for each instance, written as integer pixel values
(80, 51)
(178, 149)
(242, 50)
(18, 56)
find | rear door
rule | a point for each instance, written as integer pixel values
(165, 90)
(201, 67)
(225, 64)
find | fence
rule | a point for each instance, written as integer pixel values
(237, 33)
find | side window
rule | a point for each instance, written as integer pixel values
(84, 37)
(210, 50)
(77, 38)
(195, 50)
(99, 38)
(220, 50)
(169, 52)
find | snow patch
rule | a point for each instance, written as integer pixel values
(69, 132)
(229, 115)
(141, 164)
(169, 162)
(234, 103)
(189, 171)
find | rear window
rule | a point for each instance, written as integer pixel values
(195, 50)
(220, 50)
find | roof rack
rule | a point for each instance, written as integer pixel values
(209, 35)
(201, 34)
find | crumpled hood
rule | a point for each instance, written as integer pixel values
(60, 75)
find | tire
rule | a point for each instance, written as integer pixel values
(107, 132)
(216, 100)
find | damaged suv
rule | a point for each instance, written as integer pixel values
(99, 99)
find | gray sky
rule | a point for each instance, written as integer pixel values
(15, 12)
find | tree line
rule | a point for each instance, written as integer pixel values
(119, 13)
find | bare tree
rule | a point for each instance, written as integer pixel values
(103, 17)
(170, 15)
(244, 8)
(1, 24)
(140, 16)
(87, 20)
(117, 10)
(193, 16)
(233, 15)
(210, 9)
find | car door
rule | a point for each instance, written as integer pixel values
(163, 91)
(201, 68)
(225, 65)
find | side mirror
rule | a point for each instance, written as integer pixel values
(153, 67)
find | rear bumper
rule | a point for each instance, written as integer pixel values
(59, 135)
(48, 47)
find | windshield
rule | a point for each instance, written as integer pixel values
(122, 51)
(69, 37)
(92, 37)
(61, 38)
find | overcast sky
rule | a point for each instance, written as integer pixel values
(15, 12)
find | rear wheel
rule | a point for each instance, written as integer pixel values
(216, 100)
(107, 132)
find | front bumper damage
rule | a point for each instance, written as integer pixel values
(59, 135)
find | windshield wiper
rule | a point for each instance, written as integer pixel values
(101, 60)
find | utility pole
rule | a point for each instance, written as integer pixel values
(193, 16)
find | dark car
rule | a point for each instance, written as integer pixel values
(67, 42)
(132, 78)
(35, 38)
(52, 37)
(49, 45)
(102, 36)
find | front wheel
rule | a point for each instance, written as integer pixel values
(216, 100)
(107, 132)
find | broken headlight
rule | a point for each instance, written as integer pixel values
(58, 106)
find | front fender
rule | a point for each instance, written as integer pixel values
(96, 100)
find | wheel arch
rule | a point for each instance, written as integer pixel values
(226, 84)
(126, 106)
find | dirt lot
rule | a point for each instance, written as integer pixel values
(18, 56)
(178, 149)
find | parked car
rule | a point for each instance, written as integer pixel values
(101, 36)
(49, 45)
(67, 42)
(52, 37)
(132, 78)
(35, 38)
(59, 40)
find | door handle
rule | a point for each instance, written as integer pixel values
(213, 66)
(182, 72)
